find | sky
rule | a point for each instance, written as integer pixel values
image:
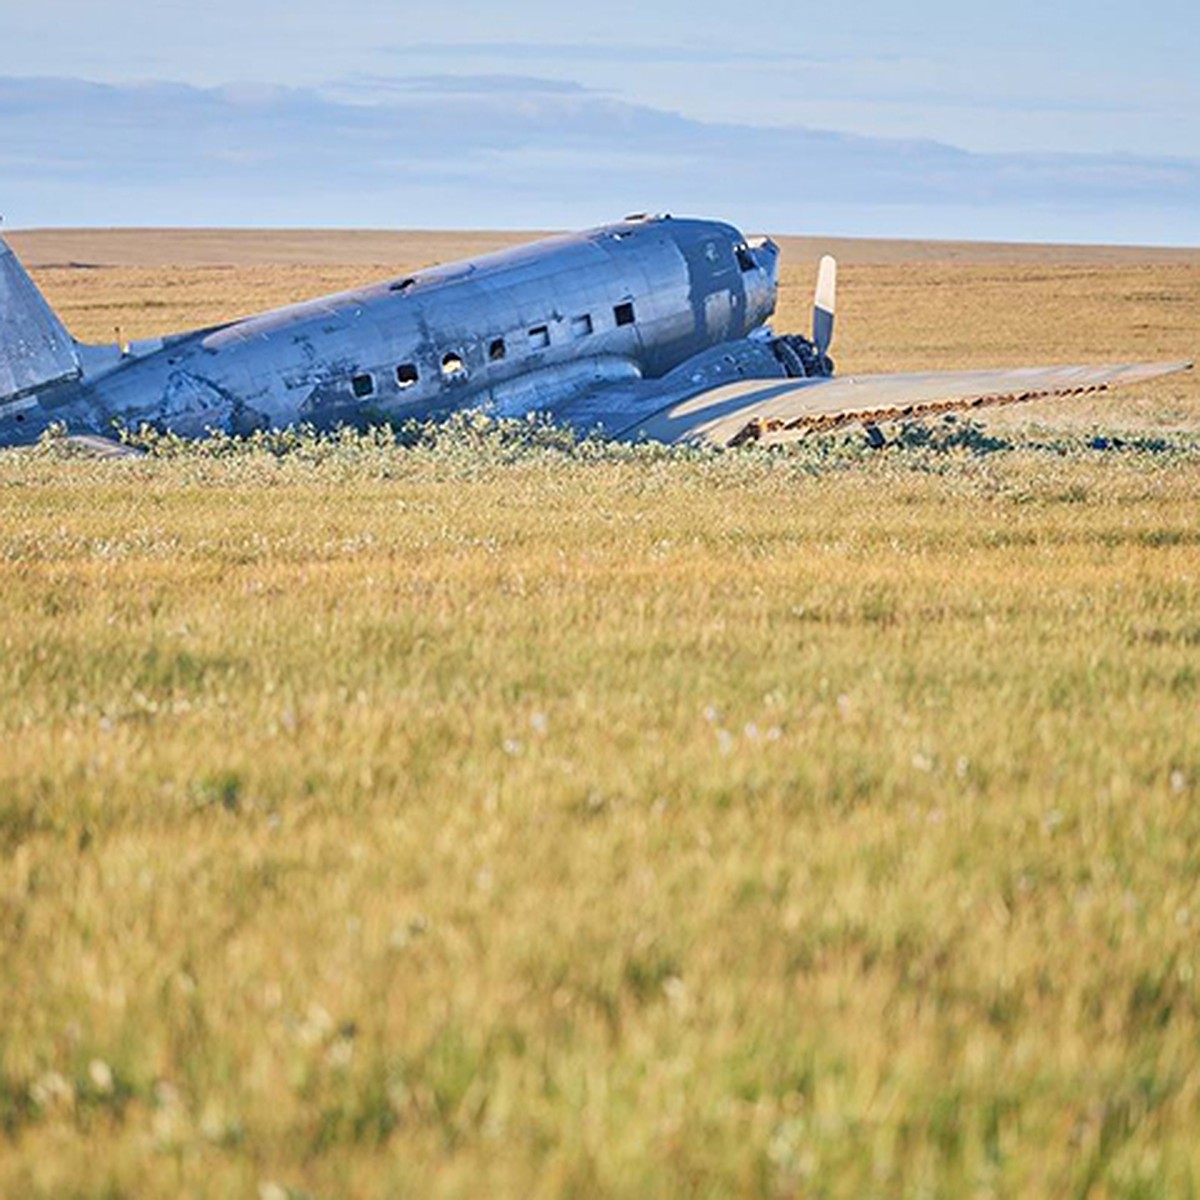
(1054, 120)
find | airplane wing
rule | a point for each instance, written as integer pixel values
(773, 411)
(770, 390)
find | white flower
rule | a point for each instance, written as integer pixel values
(51, 1090)
(100, 1073)
(340, 1053)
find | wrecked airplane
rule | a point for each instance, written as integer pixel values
(651, 328)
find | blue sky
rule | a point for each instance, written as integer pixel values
(1049, 121)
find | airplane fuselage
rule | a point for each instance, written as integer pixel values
(512, 331)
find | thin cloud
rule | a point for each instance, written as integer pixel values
(597, 52)
(874, 78)
(507, 150)
(382, 87)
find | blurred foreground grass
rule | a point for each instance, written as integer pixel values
(489, 818)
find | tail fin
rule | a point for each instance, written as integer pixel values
(35, 348)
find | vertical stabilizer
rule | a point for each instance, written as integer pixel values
(35, 348)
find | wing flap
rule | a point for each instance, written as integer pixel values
(775, 411)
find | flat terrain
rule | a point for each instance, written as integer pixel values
(496, 817)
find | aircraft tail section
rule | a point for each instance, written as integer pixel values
(35, 348)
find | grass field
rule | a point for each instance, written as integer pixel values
(497, 818)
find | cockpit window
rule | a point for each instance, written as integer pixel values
(745, 258)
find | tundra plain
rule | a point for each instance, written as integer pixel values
(497, 815)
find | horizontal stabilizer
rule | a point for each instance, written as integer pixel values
(35, 349)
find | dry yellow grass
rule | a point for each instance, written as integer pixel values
(476, 820)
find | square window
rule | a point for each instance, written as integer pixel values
(363, 385)
(581, 326)
(539, 337)
(497, 350)
(406, 374)
(623, 313)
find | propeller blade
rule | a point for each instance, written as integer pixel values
(825, 304)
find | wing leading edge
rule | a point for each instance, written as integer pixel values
(774, 411)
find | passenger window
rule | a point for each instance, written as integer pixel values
(539, 337)
(623, 313)
(406, 374)
(497, 350)
(581, 326)
(363, 385)
(453, 366)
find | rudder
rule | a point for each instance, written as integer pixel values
(36, 350)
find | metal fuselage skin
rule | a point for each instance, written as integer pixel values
(513, 331)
